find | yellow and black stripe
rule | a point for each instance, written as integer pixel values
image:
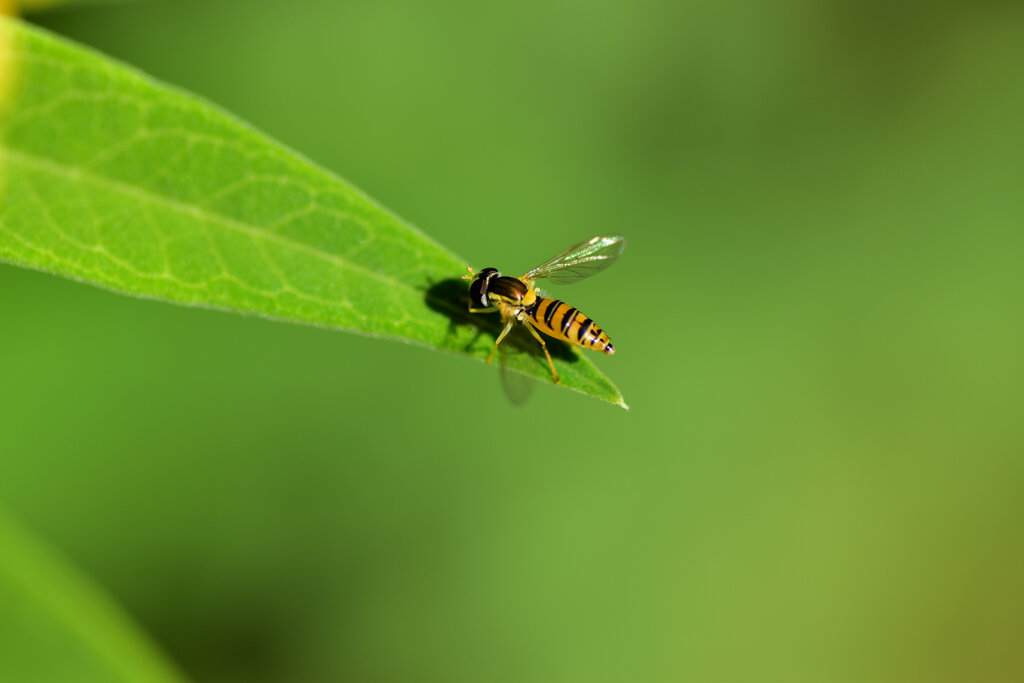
(560, 320)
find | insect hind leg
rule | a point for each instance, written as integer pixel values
(543, 345)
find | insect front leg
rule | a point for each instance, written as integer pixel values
(508, 326)
(469, 307)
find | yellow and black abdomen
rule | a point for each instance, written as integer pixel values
(560, 320)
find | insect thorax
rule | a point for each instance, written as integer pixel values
(507, 289)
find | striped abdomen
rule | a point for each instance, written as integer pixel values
(560, 320)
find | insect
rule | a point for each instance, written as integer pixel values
(516, 299)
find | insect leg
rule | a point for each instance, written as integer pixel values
(536, 335)
(508, 326)
(469, 305)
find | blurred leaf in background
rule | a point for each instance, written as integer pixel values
(57, 626)
(816, 325)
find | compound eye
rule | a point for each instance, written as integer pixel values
(478, 293)
(478, 290)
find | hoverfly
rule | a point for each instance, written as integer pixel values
(518, 300)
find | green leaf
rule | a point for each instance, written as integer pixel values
(56, 625)
(43, 5)
(113, 179)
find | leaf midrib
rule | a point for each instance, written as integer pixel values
(72, 173)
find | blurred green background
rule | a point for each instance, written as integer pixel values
(817, 322)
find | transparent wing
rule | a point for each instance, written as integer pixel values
(581, 260)
(517, 387)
